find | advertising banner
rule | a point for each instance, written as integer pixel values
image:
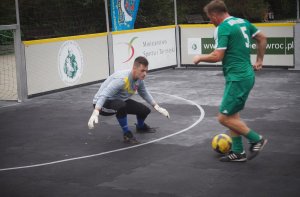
(275, 45)
(198, 39)
(58, 63)
(123, 14)
(158, 46)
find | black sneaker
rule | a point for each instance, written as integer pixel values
(145, 129)
(231, 156)
(255, 148)
(129, 138)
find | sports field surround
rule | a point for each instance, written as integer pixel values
(143, 29)
(48, 40)
(256, 24)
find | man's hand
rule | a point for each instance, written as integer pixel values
(93, 118)
(162, 111)
(196, 59)
(257, 66)
(215, 56)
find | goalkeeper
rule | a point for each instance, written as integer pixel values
(113, 97)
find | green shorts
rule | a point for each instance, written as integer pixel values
(235, 96)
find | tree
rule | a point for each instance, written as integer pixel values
(155, 13)
(283, 9)
(253, 10)
(57, 18)
(52, 18)
(8, 12)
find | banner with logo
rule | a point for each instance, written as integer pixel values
(123, 14)
(275, 45)
(198, 39)
(70, 62)
(58, 63)
(158, 45)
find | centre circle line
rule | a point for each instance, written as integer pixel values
(202, 114)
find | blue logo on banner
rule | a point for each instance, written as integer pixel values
(123, 14)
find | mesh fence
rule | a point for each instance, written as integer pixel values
(48, 19)
(8, 79)
(52, 18)
(282, 10)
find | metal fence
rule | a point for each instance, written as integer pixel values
(8, 78)
(12, 68)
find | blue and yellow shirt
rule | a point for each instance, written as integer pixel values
(121, 86)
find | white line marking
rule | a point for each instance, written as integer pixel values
(202, 113)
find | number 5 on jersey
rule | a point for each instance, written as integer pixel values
(247, 43)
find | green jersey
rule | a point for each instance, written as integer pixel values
(234, 36)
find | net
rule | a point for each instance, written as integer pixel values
(50, 19)
(8, 79)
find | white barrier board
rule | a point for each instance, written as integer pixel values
(58, 63)
(198, 39)
(157, 45)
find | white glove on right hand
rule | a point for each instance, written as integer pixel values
(162, 111)
(93, 118)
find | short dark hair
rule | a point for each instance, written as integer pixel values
(140, 60)
(215, 6)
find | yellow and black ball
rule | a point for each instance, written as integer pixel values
(221, 143)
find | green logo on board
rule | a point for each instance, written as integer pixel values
(70, 62)
(275, 45)
(71, 66)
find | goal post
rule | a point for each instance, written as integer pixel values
(13, 83)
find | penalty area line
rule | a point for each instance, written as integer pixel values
(202, 114)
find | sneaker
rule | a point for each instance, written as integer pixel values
(145, 129)
(231, 156)
(255, 148)
(129, 138)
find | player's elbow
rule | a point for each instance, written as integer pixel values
(218, 59)
(217, 55)
(261, 38)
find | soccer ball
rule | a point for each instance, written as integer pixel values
(221, 143)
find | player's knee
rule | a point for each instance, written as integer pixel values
(121, 111)
(222, 119)
(144, 113)
(121, 114)
(147, 111)
(121, 105)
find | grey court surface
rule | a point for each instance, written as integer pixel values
(46, 148)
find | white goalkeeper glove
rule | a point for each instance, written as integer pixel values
(162, 111)
(93, 118)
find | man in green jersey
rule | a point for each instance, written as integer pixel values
(232, 47)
